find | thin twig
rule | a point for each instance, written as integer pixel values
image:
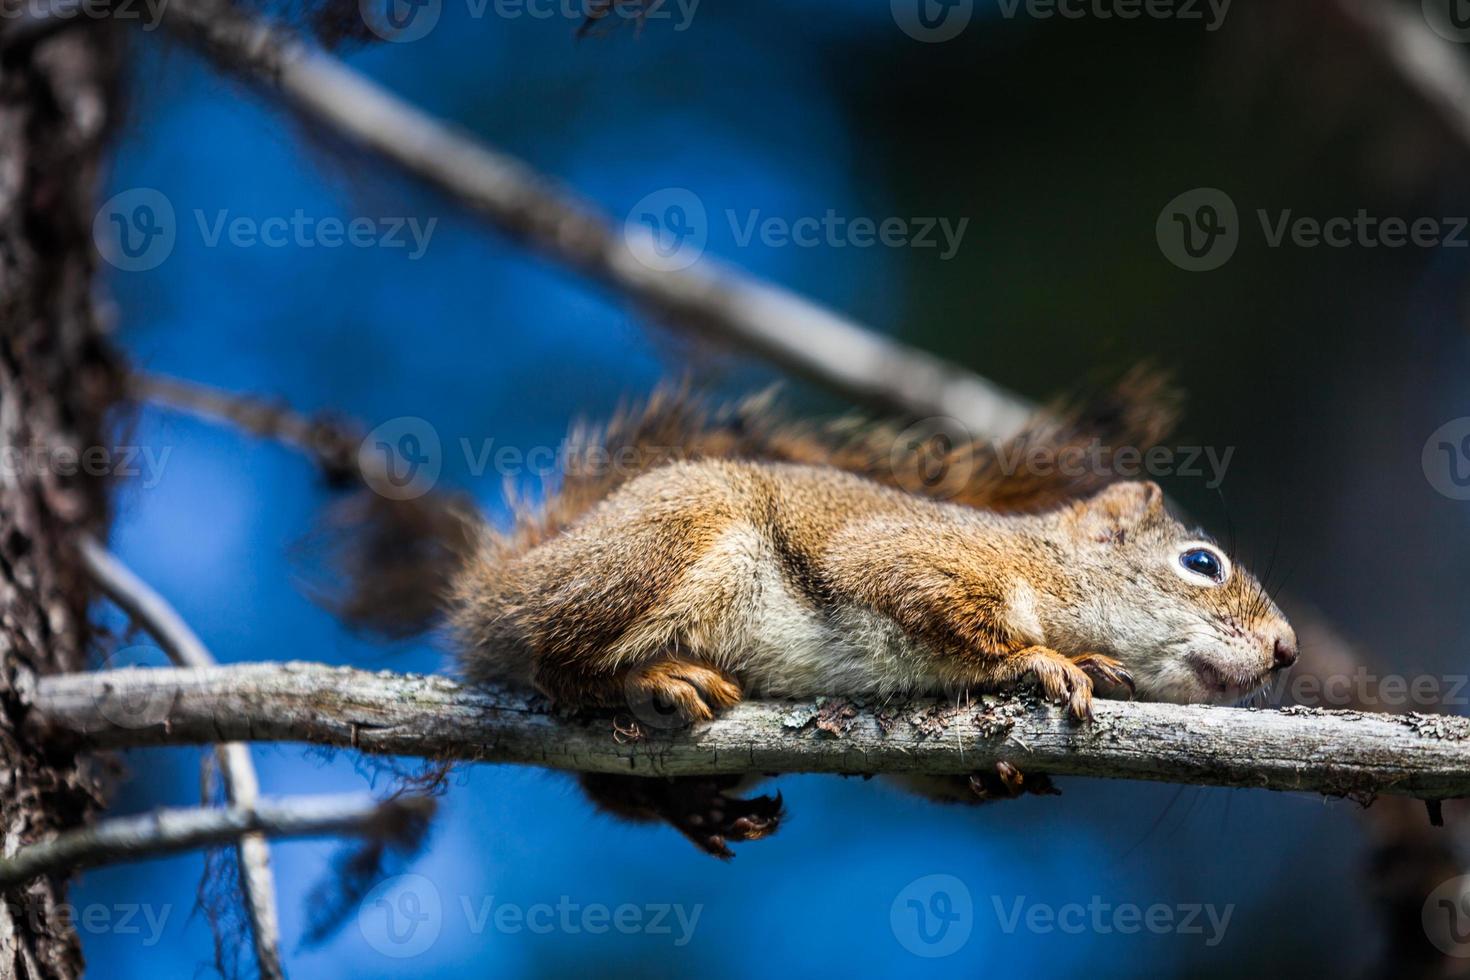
(332, 442)
(708, 297)
(1340, 753)
(242, 786)
(171, 831)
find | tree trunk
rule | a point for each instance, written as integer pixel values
(57, 379)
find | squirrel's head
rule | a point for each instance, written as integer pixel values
(1187, 622)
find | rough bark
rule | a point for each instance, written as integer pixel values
(56, 381)
(1342, 753)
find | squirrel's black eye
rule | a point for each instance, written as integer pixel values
(1203, 561)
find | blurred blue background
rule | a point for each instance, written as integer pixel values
(1060, 142)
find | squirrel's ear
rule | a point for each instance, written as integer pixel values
(1120, 506)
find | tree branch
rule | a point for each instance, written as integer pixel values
(170, 831)
(1428, 66)
(1338, 753)
(330, 442)
(708, 297)
(242, 786)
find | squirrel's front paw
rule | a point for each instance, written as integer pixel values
(1062, 680)
(695, 692)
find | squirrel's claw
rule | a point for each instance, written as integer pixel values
(1062, 680)
(1007, 782)
(719, 820)
(1107, 670)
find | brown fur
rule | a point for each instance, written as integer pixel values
(689, 557)
(675, 426)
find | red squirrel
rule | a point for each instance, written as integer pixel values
(693, 557)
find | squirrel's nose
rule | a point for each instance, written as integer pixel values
(1283, 651)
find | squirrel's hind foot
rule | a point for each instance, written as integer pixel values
(694, 691)
(1007, 782)
(714, 821)
(699, 807)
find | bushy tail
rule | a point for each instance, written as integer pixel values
(403, 564)
(933, 457)
(389, 564)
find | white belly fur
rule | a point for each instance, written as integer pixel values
(780, 646)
